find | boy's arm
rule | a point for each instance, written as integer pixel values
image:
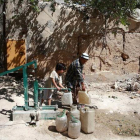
(61, 85)
(60, 82)
(55, 84)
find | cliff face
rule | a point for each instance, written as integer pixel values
(62, 35)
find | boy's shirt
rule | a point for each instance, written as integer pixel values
(56, 77)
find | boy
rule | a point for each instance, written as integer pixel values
(54, 81)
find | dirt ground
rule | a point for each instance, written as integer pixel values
(117, 116)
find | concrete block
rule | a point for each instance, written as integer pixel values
(25, 115)
(48, 114)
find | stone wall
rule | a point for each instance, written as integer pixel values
(61, 36)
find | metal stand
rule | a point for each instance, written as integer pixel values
(23, 112)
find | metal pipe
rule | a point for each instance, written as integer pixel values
(4, 36)
(36, 94)
(20, 67)
(25, 83)
(55, 89)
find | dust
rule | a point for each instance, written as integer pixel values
(120, 124)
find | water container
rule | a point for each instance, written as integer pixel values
(61, 122)
(74, 129)
(67, 99)
(87, 117)
(74, 112)
(84, 97)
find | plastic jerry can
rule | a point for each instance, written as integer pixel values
(67, 99)
(61, 122)
(84, 97)
(74, 112)
(74, 128)
(87, 117)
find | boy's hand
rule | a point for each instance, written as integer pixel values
(58, 88)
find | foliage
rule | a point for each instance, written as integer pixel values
(116, 9)
(1, 1)
(33, 4)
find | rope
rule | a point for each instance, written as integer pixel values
(61, 114)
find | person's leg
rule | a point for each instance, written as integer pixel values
(49, 102)
(76, 89)
(74, 95)
(43, 97)
(49, 97)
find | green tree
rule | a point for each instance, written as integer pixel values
(115, 9)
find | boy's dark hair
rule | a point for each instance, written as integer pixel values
(60, 66)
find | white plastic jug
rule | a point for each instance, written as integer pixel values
(84, 97)
(74, 129)
(74, 112)
(67, 99)
(61, 123)
(87, 117)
